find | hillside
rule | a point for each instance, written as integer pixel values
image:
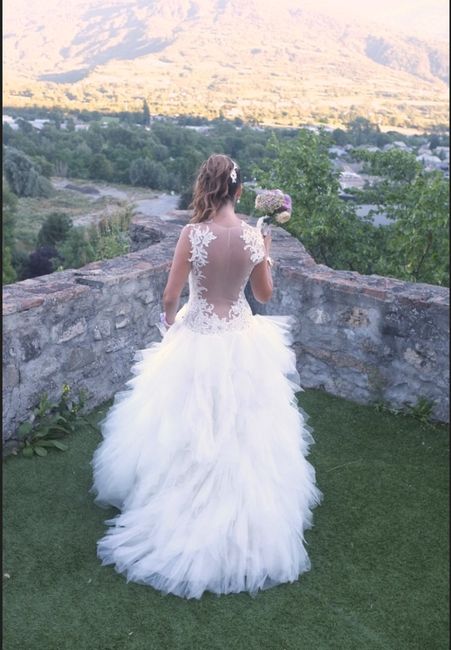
(288, 65)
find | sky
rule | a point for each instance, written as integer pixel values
(428, 18)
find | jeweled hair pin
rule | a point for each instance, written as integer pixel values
(233, 173)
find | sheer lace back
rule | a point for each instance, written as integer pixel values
(222, 259)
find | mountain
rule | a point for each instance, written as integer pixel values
(290, 61)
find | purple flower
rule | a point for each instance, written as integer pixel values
(287, 202)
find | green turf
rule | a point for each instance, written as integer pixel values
(379, 576)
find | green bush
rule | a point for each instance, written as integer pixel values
(9, 208)
(22, 175)
(49, 424)
(55, 229)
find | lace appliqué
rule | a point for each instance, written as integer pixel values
(254, 243)
(200, 315)
(200, 238)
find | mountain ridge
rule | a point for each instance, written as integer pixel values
(202, 57)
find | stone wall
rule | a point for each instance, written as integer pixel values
(359, 337)
(363, 337)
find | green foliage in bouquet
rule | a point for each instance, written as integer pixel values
(50, 423)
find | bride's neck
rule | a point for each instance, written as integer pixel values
(225, 213)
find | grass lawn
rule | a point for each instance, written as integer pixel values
(379, 552)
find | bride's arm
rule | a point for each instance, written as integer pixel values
(261, 276)
(178, 275)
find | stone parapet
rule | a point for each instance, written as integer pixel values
(361, 337)
(365, 338)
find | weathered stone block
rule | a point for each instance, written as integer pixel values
(11, 376)
(102, 329)
(147, 296)
(355, 317)
(318, 315)
(121, 321)
(117, 344)
(30, 345)
(79, 358)
(64, 332)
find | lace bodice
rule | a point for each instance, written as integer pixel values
(222, 259)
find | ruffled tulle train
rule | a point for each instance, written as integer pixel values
(204, 454)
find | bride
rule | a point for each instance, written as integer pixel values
(204, 453)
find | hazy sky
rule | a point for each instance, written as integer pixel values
(427, 18)
(430, 17)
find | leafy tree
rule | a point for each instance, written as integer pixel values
(418, 241)
(109, 238)
(417, 201)
(434, 141)
(160, 152)
(247, 201)
(101, 168)
(9, 274)
(148, 173)
(340, 137)
(77, 250)
(9, 207)
(116, 134)
(95, 139)
(58, 117)
(43, 166)
(22, 176)
(327, 226)
(362, 131)
(55, 229)
(395, 164)
(8, 134)
(146, 113)
(24, 125)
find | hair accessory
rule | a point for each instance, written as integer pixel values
(233, 173)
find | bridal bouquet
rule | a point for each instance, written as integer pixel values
(275, 206)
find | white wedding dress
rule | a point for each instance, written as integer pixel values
(204, 453)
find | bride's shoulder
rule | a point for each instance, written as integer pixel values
(188, 229)
(253, 242)
(192, 226)
(251, 231)
(248, 226)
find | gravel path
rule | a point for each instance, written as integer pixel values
(159, 204)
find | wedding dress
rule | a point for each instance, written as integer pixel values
(204, 452)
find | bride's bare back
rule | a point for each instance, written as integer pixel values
(219, 260)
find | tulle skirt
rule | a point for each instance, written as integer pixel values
(204, 454)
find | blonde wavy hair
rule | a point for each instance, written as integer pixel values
(214, 186)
